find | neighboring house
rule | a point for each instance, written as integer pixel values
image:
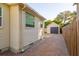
(53, 28)
(20, 26)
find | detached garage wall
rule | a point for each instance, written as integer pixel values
(52, 25)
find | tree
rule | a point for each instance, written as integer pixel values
(64, 18)
(47, 23)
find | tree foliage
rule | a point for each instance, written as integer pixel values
(63, 18)
(47, 23)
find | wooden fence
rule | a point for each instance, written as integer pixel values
(70, 35)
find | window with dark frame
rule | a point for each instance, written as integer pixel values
(0, 16)
(41, 25)
(0, 21)
(29, 20)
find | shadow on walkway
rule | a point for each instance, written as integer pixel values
(52, 45)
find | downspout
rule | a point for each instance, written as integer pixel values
(9, 26)
(21, 48)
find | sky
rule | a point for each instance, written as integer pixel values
(50, 10)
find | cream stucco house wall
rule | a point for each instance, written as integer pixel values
(14, 34)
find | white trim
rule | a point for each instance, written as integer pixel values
(1, 17)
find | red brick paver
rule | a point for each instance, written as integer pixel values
(52, 45)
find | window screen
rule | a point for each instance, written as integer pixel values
(0, 16)
(29, 20)
(0, 21)
(0, 12)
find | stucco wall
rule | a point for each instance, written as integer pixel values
(4, 30)
(29, 34)
(51, 25)
(14, 34)
(38, 27)
(14, 27)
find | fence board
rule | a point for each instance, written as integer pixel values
(70, 35)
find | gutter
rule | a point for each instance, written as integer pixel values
(28, 9)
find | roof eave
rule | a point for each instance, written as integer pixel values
(28, 9)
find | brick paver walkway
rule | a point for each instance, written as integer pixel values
(52, 45)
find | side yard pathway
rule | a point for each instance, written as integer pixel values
(52, 45)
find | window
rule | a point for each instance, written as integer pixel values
(41, 25)
(29, 20)
(0, 17)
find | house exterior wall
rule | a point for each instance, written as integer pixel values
(14, 28)
(52, 25)
(4, 30)
(14, 34)
(30, 34)
(38, 27)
